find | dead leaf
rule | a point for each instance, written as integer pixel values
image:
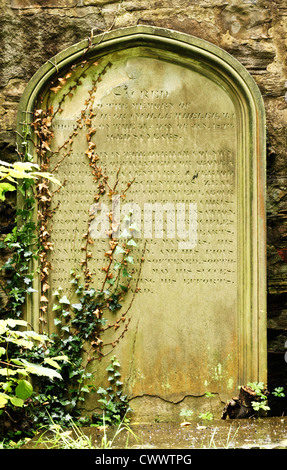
(200, 427)
(97, 313)
(62, 81)
(185, 424)
(102, 428)
(45, 145)
(55, 89)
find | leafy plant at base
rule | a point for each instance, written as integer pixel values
(57, 437)
(260, 404)
(17, 389)
(278, 401)
(15, 371)
(114, 403)
(208, 416)
(186, 413)
(279, 392)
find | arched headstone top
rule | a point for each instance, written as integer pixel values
(193, 52)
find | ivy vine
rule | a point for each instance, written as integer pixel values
(81, 325)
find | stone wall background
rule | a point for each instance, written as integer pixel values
(253, 31)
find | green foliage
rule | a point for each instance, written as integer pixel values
(258, 388)
(13, 172)
(114, 402)
(186, 413)
(4, 188)
(16, 388)
(260, 404)
(208, 416)
(279, 392)
(16, 345)
(21, 170)
(15, 369)
(55, 436)
(17, 267)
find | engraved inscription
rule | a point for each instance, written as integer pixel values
(172, 148)
(174, 132)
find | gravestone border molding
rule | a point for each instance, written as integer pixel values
(252, 173)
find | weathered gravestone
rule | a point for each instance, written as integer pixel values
(177, 126)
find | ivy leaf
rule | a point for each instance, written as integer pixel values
(77, 306)
(134, 227)
(117, 265)
(131, 242)
(125, 234)
(64, 300)
(30, 289)
(125, 273)
(66, 328)
(119, 250)
(56, 307)
(130, 259)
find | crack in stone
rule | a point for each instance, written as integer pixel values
(172, 402)
(131, 368)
